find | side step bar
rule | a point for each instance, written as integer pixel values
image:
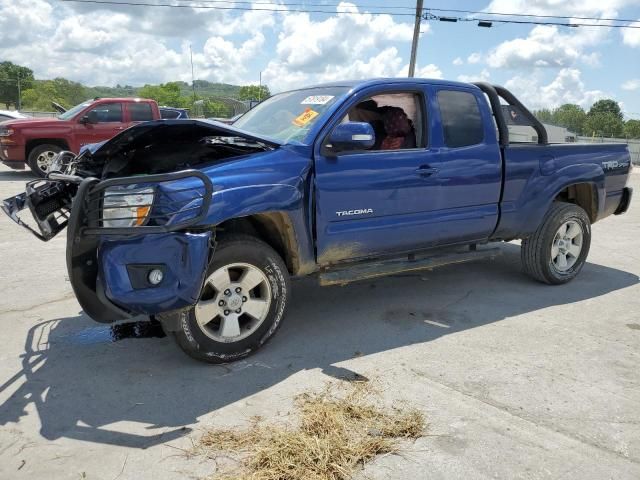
(380, 268)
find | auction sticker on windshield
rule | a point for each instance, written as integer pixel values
(305, 117)
(316, 100)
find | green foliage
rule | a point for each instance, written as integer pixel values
(9, 75)
(603, 124)
(606, 106)
(632, 129)
(545, 115)
(59, 90)
(604, 119)
(254, 92)
(571, 117)
(167, 94)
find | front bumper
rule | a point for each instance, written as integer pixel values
(125, 263)
(107, 266)
(12, 156)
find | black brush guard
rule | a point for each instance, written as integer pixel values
(52, 202)
(77, 202)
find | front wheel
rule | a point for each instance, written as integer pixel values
(41, 158)
(558, 249)
(242, 302)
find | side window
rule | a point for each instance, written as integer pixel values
(461, 120)
(397, 120)
(106, 113)
(140, 112)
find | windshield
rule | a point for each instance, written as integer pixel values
(72, 112)
(289, 116)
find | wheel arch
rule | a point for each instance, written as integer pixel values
(31, 144)
(275, 228)
(583, 194)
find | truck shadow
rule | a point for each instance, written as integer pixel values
(83, 382)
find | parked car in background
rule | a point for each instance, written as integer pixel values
(171, 113)
(10, 115)
(201, 224)
(37, 141)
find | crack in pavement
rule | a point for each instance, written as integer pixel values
(66, 296)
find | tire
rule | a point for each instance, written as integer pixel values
(40, 156)
(565, 232)
(218, 340)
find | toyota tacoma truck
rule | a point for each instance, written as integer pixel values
(201, 225)
(37, 141)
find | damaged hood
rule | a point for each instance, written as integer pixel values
(147, 133)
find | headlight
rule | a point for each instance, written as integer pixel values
(126, 207)
(6, 132)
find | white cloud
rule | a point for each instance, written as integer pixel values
(428, 71)
(340, 46)
(458, 61)
(475, 57)
(483, 76)
(566, 87)
(631, 85)
(547, 46)
(631, 36)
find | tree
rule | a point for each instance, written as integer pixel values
(254, 92)
(545, 115)
(571, 117)
(167, 94)
(603, 124)
(632, 129)
(606, 106)
(10, 74)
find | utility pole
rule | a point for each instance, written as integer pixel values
(414, 43)
(193, 82)
(19, 94)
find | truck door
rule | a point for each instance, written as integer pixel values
(469, 162)
(105, 121)
(383, 201)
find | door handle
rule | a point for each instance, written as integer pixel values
(426, 171)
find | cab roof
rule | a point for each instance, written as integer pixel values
(397, 80)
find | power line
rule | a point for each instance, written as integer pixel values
(530, 15)
(229, 5)
(218, 7)
(489, 21)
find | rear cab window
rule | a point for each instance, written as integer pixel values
(140, 112)
(461, 119)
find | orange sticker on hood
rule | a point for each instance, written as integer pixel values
(305, 117)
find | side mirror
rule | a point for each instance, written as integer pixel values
(352, 136)
(91, 117)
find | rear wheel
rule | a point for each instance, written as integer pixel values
(558, 250)
(241, 304)
(41, 158)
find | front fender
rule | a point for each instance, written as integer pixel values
(247, 200)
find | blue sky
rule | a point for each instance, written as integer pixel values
(545, 65)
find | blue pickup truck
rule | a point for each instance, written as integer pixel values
(201, 225)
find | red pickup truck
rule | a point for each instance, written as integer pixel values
(36, 141)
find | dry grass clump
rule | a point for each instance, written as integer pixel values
(336, 434)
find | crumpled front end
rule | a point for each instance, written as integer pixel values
(152, 274)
